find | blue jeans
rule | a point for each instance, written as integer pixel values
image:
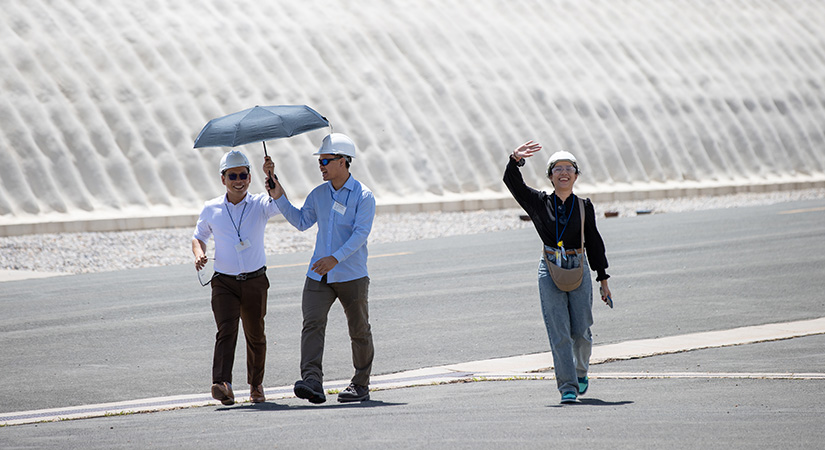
(568, 317)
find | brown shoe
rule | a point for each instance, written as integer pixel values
(223, 392)
(256, 394)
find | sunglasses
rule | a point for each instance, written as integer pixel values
(235, 176)
(325, 161)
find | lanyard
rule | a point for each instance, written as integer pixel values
(558, 236)
(238, 226)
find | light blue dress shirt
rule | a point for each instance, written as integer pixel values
(344, 220)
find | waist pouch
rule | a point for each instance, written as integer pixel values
(566, 279)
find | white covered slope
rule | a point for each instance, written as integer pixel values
(101, 100)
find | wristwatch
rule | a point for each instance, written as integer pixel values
(519, 163)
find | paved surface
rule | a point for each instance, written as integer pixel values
(120, 336)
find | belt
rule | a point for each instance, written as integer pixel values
(566, 252)
(247, 275)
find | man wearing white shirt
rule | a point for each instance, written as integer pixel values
(344, 210)
(237, 221)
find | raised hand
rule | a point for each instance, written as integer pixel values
(526, 150)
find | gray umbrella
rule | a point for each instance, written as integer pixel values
(259, 124)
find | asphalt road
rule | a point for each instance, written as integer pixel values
(149, 332)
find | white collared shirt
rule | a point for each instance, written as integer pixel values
(230, 224)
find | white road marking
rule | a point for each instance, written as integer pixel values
(516, 367)
(17, 275)
(650, 347)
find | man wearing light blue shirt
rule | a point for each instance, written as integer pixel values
(344, 210)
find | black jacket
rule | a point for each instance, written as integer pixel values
(551, 216)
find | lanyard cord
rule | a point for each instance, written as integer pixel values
(335, 194)
(558, 236)
(238, 226)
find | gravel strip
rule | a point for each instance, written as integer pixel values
(106, 251)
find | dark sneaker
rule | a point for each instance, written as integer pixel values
(584, 383)
(256, 394)
(354, 393)
(311, 390)
(223, 392)
(568, 397)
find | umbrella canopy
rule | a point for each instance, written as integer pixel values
(259, 124)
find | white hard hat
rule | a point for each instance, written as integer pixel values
(561, 156)
(233, 159)
(337, 144)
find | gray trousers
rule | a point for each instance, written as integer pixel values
(317, 299)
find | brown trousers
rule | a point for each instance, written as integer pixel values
(244, 300)
(317, 299)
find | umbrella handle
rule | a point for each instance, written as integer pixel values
(271, 175)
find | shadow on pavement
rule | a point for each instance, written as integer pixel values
(271, 406)
(592, 402)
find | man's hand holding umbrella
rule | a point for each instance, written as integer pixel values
(273, 186)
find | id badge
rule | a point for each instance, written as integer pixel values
(243, 245)
(339, 208)
(558, 258)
